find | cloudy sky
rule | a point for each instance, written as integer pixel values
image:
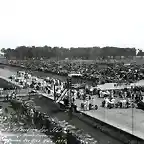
(72, 23)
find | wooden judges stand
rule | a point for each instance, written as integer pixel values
(68, 88)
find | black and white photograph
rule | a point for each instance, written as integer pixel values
(71, 72)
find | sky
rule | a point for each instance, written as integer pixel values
(72, 23)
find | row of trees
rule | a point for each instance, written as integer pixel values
(24, 52)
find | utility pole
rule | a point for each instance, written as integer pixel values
(69, 90)
(69, 82)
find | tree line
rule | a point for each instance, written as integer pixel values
(47, 52)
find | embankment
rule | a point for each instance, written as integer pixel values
(52, 127)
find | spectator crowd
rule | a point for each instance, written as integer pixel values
(100, 73)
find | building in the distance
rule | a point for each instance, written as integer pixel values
(3, 60)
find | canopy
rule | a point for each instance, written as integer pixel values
(74, 75)
(112, 86)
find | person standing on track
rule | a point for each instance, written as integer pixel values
(7, 97)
